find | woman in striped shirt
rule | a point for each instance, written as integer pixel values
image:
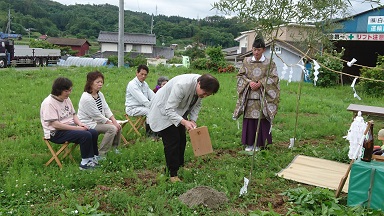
(96, 114)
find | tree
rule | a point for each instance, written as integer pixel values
(268, 15)
(87, 20)
(195, 52)
(213, 37)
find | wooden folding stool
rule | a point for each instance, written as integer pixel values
(64, 147)
(136, 122)
(122, 123)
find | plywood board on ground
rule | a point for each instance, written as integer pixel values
(316, 171)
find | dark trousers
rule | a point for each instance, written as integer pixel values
(174, 140)
(86, 139)
(249, 132)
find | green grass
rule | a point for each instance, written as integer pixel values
(133, 183)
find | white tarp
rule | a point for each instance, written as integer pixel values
(80, 61)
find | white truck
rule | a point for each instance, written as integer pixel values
(22, 55)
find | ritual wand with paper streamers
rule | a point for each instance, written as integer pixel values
(345, 177)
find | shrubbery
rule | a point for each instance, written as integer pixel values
(328, 78)
(216, 61)
(132, 62)
(200, 64)
(113, 59)
(229, 69)
(175, 60)
(320, 201)
(371, 87)
(195, 52)
(136, 61)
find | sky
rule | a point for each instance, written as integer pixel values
(194, 9)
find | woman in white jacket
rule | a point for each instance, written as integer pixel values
(96, 114)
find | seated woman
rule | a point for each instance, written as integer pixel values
(61, 124)
(95, 113)
(160, 83)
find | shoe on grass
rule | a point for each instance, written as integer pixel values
(90, 165)
(175, 179)
(250, 148)
(98, 158)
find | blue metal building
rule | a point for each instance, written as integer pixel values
(362, 36)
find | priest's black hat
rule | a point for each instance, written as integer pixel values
(259, 41)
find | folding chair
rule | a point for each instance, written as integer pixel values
(64, 147)
(136, 122)
(122, 123)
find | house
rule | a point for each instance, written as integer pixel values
(43, 37)
(230, 51)
(289, 32)
(362, 37)
(135, 43)
(231, 55)
(174, 46)
(288, 50)
(80, 45)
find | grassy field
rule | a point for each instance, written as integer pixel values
(133, 183)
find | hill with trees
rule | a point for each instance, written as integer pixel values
(86, 21)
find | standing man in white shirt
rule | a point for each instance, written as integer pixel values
(138, 94)
(174, 110)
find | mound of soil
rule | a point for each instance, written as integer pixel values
(203, 195)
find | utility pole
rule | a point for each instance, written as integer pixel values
(120, 44)
(8, 29)
(152, 24)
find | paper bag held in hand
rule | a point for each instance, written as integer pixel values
(201, 142)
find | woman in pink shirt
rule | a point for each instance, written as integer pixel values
(61, 124)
